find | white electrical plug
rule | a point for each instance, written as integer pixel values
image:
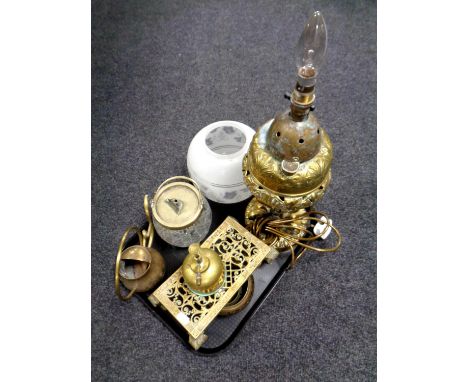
(320, 227)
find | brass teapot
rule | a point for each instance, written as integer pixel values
(203, 270)
(139, 267)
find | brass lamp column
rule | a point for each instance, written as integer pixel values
(288, 165)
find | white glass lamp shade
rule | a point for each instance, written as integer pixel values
(214, 160)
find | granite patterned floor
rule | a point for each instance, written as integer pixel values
(161, 71)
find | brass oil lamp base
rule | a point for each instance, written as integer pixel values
(288, 165)
(271, 184)
(283, 188)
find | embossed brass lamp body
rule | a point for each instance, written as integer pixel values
(282, 187)
(288, 165)
(263, 166)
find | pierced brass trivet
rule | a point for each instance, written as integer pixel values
(241, 253)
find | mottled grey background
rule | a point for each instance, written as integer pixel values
(161, 71)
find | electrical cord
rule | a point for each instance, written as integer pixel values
(271, 228)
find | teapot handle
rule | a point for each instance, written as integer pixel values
(148, 235)
(117, 262)
(178, 178)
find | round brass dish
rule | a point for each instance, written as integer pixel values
(240, 299)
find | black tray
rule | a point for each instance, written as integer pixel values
(222, 330)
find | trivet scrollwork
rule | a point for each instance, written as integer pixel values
(241, 253)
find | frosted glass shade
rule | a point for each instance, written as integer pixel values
(214, 160)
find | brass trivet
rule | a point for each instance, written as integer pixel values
(241, 253)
